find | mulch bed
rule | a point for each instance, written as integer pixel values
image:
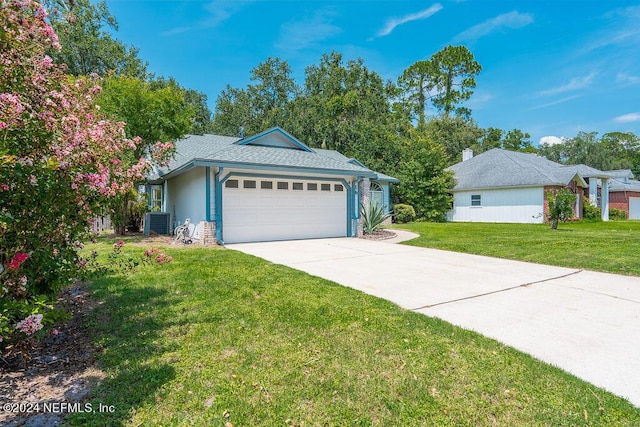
(62, 368)
(380, 235)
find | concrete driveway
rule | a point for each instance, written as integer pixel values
(584, 322)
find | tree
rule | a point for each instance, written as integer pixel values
(614, 150)
(194, 100)
(346, 107)
(516, 140)
(86, 46)
(453, 71)
(424, 182)
(155, 113)
(560, 204)
(262, 105)
(60, 164)
(454, 134)
(415, 85)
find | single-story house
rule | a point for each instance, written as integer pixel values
(270, 186)
(507, 186)
(624, 193)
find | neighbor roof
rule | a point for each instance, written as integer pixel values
(499, 168)
(216, 150)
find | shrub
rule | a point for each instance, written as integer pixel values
(591, 212)
(60, 165)
(373, 216)
(560, 206)
(617, 214)
(403, 213)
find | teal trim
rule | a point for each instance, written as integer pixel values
(220, 183)
(207, 187)
(147, 189)
(355, 161)
(280, 131)
(258, 166)
(217, 184)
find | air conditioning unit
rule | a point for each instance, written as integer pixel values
(157, 222)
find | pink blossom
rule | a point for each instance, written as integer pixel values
(31, 324)
(17, 260)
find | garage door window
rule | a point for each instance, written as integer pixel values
(338, 187)
(232, 183)
(312, 187)
(283, 185)
(298, 186)
(249, 184)
(266, 185)
(325, 187)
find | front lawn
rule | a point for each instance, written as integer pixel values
(221, 338)
(603, 246)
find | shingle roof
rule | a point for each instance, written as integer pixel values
(223, 149)
(503, 168)
(617, 185)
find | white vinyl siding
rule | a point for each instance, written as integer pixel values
(514, 205)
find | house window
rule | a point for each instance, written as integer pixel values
(476, 200)
(298, 186)
(249, 184)
(338, 187)
(376, 195)
(283, 185)
(232, 183)
(312, 187)
(325, 187)
(156, 198)
(266, 185)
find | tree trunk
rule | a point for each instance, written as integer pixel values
(554, 224)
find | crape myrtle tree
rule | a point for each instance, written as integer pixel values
(60, 164)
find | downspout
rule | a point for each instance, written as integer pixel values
(218, 205)
(207, 190)
(356, 213)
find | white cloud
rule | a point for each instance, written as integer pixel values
(628, 118)
(510, 20)
(216, 13)
(574, 84)
(627, 79)
(395, 22)
(300, 34)
(556, 102)
(551, 140)
(623, 29)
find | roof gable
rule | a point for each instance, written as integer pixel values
(275, 137)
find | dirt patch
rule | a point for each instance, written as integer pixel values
(380, 235)
(61, 372)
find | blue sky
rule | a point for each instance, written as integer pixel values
(550, 68)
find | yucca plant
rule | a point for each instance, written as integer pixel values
(373, 216)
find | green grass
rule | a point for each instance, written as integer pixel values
(603, 246)
(221, 337)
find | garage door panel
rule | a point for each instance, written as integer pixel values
(272, 214)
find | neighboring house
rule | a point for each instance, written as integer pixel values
(267, 187)
(624, 193)
(507, 186)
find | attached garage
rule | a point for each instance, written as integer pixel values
(263, 209)
(634, 207)
(266, 187)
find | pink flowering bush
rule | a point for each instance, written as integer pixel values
(60, 165)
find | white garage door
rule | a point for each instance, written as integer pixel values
(634, 207)
(257, 210)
